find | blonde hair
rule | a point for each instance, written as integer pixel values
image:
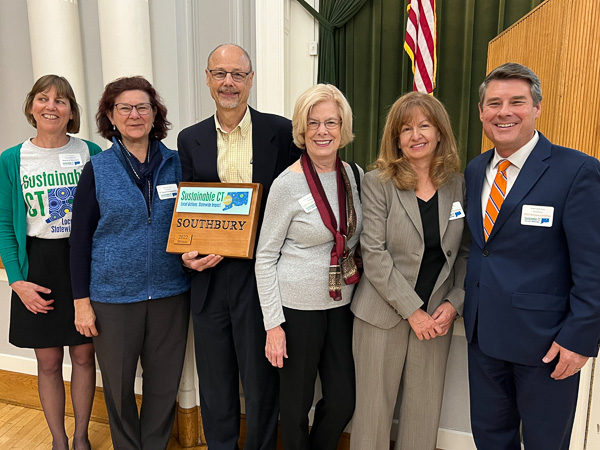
(392, 163)
(317, 94)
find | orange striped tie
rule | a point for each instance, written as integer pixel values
(496, 199)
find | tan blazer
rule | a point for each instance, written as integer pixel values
(392, 248)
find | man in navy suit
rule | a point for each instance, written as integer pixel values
(532, 305)
(236, 145)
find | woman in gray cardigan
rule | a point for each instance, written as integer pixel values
(305, 273)
(412, 288)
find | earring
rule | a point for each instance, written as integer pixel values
(114, 128)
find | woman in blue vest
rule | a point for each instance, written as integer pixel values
(131, 296)
(37, 181)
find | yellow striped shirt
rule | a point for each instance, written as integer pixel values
(234, 151)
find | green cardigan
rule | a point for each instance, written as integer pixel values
(13, 221)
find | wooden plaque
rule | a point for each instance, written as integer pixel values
(216, 218)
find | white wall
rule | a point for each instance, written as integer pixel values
(16, 78)
(16, 71)
(300, 67)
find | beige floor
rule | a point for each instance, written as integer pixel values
(24, 428)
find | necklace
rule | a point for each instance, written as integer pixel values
(137, 175)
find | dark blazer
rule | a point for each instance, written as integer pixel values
(528, 286)
(392, 248)
(272, 151)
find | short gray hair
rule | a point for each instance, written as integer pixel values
(514, 71)
(228, 45)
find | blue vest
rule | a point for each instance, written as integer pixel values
(129, 261)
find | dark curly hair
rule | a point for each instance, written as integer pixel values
(116, 88)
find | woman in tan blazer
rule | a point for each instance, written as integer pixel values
(414, 265)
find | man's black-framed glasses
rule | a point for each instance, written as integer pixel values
(222, 74)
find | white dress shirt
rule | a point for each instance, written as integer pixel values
(517, 160)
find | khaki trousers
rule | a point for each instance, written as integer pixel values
(393, 365)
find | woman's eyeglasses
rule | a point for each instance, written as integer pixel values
(125, 109)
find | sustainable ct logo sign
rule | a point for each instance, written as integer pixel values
(214, 200)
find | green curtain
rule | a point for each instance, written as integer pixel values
(374, 69)
(332, 15)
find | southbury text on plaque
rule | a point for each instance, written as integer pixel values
(216, 218)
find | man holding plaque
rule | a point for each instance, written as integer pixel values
(236, 145)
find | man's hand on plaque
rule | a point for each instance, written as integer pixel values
(194, 261)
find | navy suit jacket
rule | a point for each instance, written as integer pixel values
(528, 286)
(272, 151)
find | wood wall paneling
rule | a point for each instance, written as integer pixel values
(560, 42)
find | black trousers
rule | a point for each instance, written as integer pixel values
(155, 331)
(230, 338)
(317, 342)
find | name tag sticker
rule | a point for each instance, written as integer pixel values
(166, 191)
(308, 203)
(456, 212)
(537, 216)
(70, 159)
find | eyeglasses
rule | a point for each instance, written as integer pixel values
(125, 109)
(222, 74)
(330, 124)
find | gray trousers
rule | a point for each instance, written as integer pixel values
(393, 364)
(155, 331)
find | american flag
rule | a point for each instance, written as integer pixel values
(420, 43)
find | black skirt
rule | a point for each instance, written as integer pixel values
(48, 267)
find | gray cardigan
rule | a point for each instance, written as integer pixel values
(294, 249)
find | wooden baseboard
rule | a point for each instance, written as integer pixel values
(21, 389)
(187, 426)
